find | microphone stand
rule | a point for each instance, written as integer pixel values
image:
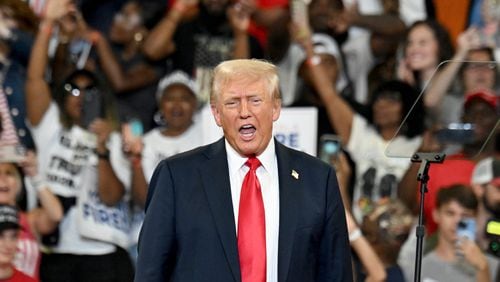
(423, 176)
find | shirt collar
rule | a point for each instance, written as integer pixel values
(266, 158)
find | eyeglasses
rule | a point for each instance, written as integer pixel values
(75, 91)
(476, 66)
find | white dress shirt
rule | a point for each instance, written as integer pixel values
(267, 174)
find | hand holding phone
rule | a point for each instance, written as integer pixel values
(136, 127)
(132, 132)
(93, 106)
(456, 133)
(330, 148)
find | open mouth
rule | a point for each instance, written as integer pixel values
(177, 114)
(247, 132)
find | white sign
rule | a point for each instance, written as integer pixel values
(296, 128)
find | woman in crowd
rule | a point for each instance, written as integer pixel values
(177, 102)
(365, 140)
(471, 69)
(427, 45)
(83, 164)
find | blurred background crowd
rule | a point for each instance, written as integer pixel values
(94, 94)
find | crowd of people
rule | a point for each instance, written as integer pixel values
(93, 96)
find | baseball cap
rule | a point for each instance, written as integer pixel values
(9, 217)
(486, 171)
(176, 77)
(288, 67)
(486, 95)
(325, 44)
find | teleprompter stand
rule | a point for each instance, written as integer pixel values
(425, 160)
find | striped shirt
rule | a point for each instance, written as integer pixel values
(8, 135)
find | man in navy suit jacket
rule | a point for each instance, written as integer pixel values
(190, 234)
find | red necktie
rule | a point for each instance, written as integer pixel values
(252, 227)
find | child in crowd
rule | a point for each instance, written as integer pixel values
(456, 258)
(10, 229)
(36, 221)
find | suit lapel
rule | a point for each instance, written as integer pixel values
(215, 179)
(290, 186)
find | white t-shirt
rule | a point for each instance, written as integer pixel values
(377, 175)
(411, 11)
(156, 148)
(435, 269)
(68, 161)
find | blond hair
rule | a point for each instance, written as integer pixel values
(247, 71)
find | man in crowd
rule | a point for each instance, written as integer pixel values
(245, 208)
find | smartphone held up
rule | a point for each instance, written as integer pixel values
(330, 148)
(466, 228)
(456, 133)
(132, 132)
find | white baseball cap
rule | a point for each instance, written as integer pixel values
(486, 171)
(290, 64)
(176, 77)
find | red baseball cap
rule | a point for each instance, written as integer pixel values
(486, 95)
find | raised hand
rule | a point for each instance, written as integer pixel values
(341, 21)
(472, 253)
(7, 22)
(405, 73)
(56, 9)
(468, 40)
(247, 6)
(350, 15)
(102, 129)
(132, 145)
(184, 7)
(429, 141)
(239, 18)
(30, 164)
